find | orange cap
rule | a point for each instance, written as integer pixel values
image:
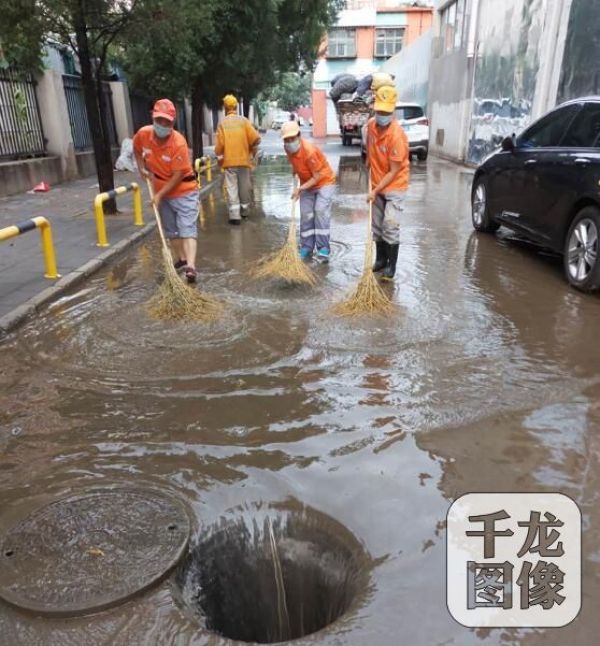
(164, 108)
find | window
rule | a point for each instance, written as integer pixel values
(549, 130)
(585, 129)
(453, 20)
(341, 43)
(409, 112)
(388, 42)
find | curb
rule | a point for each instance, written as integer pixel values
(36, 303)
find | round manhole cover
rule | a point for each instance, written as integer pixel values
(89, 552)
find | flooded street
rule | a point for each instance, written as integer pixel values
(487, 380)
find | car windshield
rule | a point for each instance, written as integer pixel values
(409, 112)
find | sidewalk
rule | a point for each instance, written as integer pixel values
(69, 207)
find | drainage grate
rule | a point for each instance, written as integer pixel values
(273, 574)
(89, 552)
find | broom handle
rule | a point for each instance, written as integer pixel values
(157, 215)
(292, 231)
(369, 246)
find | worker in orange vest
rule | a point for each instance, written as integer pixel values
(317, 186)
(162, 155)
(237, 143)
(389, 167)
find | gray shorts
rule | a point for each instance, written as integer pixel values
(179, 216)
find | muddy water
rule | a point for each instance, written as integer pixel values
(488, 380)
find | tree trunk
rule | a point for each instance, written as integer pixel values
(246, 104)
(197, 121)
(102, 156)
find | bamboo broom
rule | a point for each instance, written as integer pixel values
(175, 300)
(367, 297)
(286, 263)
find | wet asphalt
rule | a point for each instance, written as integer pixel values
(486, 380)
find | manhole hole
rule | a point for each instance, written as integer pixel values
(273, 573)
(89, 552)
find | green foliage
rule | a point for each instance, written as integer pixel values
(292, 91)
(21, 35)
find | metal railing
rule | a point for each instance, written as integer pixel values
(80, 127)
(204, 165)
(138, 218)
(21, 133)
(47, 243)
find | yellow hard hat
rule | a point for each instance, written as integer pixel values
(290, 129)
(385, 99)
(230, 102)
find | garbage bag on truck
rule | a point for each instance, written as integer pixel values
(126, 160)
(346, 85)
(364, 85)
(380, 79)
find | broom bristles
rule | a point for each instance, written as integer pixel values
(286, 263)
(175, 300)
(368, 296)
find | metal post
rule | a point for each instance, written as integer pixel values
(209, 170)
(48, 247)
(100, 224)
(198, 167)
(138, 218)
(47, 244)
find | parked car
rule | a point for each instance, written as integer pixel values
(543, 184)
(416, 125)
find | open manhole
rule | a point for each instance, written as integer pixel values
(273, 573)
(86, 553)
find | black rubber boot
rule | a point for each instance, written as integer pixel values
(381, 260)
(390, 270)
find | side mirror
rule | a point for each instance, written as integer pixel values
(508, 144)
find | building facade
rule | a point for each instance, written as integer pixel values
(497, 66)
(367, 34)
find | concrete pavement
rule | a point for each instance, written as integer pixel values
(69, 209)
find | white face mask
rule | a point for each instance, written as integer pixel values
(383, 120)
(292, 147)
(161, 131)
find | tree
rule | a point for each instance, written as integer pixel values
(88, 27)
(222, 46)
(292, 91)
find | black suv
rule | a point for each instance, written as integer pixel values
(545, 185)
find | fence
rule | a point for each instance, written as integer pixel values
(21, 133)
(80, 127)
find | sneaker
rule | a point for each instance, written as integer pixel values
(305, 253)
(191, 275)
(323, 255)
(180, 264)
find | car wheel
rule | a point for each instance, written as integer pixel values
(422, 155)
(582, 266)
(479, 208)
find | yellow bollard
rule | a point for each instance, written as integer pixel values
(48, 247)
(47, 243)
(209, 170)
(99, 215)
(198, 167)
(138, 217)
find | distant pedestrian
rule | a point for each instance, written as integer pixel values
(237, 143)
(317, 186)
(162, 155)
(389, 168)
